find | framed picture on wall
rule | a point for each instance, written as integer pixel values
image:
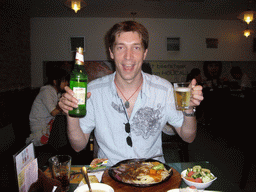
(212, 43)
(173, 44)
(77, 42)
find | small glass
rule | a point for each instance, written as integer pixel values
(182, 92)
(61, 166)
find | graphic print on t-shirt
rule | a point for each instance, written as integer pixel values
(146, 121)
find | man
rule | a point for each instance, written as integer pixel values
(128, 109)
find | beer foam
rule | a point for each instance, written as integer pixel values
(182, 89)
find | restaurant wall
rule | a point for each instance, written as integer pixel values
(14, 46)
(177, 71)
(50, 40)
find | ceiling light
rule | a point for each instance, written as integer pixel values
(247, 16)
(76, 5)
(247, 32)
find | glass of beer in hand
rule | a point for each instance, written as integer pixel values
(182, 92)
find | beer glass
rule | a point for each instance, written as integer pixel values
(182, 93)
(60, 166)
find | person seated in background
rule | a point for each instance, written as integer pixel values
(240, 80)
(195, 74)
(212, 72)
(45, 107)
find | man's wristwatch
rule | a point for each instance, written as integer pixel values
(192, 114)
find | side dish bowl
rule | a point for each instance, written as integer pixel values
(197, 185)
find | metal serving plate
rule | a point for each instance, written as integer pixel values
(112, 174)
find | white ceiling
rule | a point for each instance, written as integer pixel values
(179, 9)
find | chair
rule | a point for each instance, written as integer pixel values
(7, 138)
(59, 143)
(58, 136)
(172, 140)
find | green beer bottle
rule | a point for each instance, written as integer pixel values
(78, 83)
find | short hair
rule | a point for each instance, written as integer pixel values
(127, 26)
(59, 75)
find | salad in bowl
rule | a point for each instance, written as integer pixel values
(197, 176)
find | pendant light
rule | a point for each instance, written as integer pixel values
(247, 32)
(76, 5)
(247, 16)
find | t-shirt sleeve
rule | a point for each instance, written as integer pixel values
(87, 123)
(245, 81)
(49, 99)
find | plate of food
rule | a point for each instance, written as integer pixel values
(140, 172)
(98, 164)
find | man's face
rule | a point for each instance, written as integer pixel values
(128, 53)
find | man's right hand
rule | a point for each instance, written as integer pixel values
(68, 101)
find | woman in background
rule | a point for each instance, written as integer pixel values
(45, 107)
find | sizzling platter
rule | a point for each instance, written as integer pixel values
(140, 172)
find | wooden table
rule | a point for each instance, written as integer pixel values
(223, 182)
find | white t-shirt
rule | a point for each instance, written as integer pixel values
(244, 82)
(40, 114)
(107, 115)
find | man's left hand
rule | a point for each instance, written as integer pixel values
(197, 94)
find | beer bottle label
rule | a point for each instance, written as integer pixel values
(79, 58)
(79, 93)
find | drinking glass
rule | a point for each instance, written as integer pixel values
(182, 92)
(60, 166)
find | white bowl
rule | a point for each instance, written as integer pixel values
(95, 186)
(197, 185)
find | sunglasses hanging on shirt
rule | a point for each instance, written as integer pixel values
(128, 130)
(127, 127)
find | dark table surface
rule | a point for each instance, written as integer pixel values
(222, 183)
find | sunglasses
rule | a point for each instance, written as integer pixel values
(128, 130)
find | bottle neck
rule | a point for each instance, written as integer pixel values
(79, 66)
(79, 62)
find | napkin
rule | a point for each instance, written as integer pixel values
(97, 174)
